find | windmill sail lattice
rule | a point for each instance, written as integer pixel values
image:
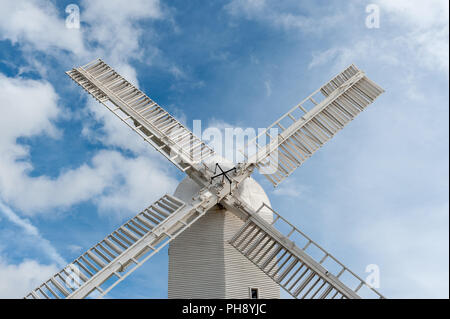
(303, 132)
(172, 139)
(303, 269)
(123, 251)
(295, 268)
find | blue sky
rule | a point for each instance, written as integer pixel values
(70, 172)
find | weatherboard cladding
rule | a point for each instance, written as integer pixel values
(240, 273)
(203, 265)
(196, 261)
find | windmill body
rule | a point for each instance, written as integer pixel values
(226, 241)
(202, 263)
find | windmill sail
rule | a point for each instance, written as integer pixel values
(309, 272)
(142, 114)
(114, 258)
(302, 273)
(303, 132)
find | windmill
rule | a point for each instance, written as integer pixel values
(225, 239)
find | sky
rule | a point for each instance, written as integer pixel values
(70, 172)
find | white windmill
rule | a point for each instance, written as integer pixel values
(225, 239)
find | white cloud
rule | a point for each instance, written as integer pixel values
(135, 183)
(421, 14)
(177, 72)
(227, 140)
(365, 49)
(427, 28)
(108, 29)
(37, 24)
(34, 103)
(113, 26)
(432, 47)
(18, 279)
(291, 188)
(418, 28)
(272, 13)
(110, 177)
(30, 230)
(74, 248)
(413, 34)
(112, 132)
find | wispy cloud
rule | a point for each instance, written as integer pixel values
(18, 279)
(30, 230)
(272, 13)
(414, 29)
(268, 87)
(113, 34)
(291, 188)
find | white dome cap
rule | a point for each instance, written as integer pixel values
(248, 190)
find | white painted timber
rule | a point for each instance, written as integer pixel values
(223, 237)
(153, 123)
(303, 132)
(110, 261)
(307, 273)
(202, 264)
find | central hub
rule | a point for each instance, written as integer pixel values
(223, 174)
